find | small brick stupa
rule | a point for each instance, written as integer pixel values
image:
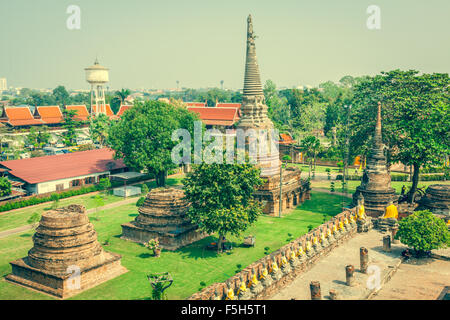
(376, 181)
(66, 258)
(437, 199)
(163, 215)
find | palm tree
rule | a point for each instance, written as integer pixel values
(122, 94)
(310, 145)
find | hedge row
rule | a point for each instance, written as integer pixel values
(54, 196)
(428, 177)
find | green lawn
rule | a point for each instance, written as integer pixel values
(305, 168)
(17, 218)
(188, 266)
(397, 185)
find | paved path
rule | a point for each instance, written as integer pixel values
(21, 229)
(422, 279)
(330, 270)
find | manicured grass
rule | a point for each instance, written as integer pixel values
(17, 218)
(188, 266)
(397, 185)
(305, 168)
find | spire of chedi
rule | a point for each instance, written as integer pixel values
(254, 109)
(376, 181)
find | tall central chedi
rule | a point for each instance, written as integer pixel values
(254, 110)
(254, 119)
(376, 181)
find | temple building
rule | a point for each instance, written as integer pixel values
(376, 180)
(66, 258)
(254, 116)
(163, 216)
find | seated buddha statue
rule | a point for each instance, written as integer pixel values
(391, 211)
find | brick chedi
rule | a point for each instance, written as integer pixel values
(66, 258)
(437, 199)
(254, 117)
(163, 215)
(376, 181)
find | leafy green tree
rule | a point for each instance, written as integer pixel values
(61, 95)
(99, 127)
(416, 121)
(423, 231)
(143, 136)
(69, 135)
(34, 219)
(104, 184)
(32, 137)
(5, 187)
(279, 111)
(221, 197)
(144, 189)
(310, 145)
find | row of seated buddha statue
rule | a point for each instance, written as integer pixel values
(253, 282)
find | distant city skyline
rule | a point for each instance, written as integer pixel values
(151, 44)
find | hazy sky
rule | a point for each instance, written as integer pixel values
(151, 44)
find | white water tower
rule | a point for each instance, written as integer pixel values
(97, 76)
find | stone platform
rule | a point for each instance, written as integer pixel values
(164, 216)
(437, 199)
(66, 258)
(330, 270)
(294, 191)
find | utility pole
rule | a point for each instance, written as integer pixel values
(281, 186)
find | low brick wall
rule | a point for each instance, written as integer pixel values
(287, 272)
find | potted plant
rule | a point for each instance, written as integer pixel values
(153, 244)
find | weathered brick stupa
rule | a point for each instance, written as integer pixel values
(376, 180)
(254, 116)
(66, 258)
(436, 199)
(164, 216)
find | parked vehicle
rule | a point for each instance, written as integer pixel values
(49, 151)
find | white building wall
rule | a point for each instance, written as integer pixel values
(50, 186)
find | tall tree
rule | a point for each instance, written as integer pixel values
(69, 135)
(142, 137)
(99, 127)
(310, 145)
(221, 197)
(415, 113)
(61, 95)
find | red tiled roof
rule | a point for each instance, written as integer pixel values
(20, 116)
(196, 104)
(286, 139)
(109, 112)
(62, 166)
(217, 116)
(81, 112)
(49, 114)
(123, 108)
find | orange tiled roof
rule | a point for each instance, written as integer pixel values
(123, 108)
(82, 113)
(49, 114)
(216, 116)
(20, 116)
(286, 139)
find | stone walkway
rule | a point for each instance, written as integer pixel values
(24, 228)
(330, 270)
(422, 279)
